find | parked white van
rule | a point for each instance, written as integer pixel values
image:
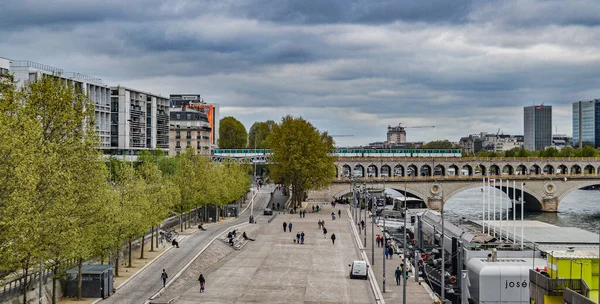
(358, 270)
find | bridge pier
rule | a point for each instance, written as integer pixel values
(434, 203)
(550, 204)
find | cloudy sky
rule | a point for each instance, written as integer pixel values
(350, 67)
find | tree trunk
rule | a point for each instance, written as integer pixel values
(117, 263)
(142, 251)
(180, 223)
(152, 239)
(54, 270)
(217, 213)
(79, 278)
(25, 282)
(129, 255)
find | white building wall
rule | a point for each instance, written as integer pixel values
(99, 93)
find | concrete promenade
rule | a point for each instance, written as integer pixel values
(275, 269)
(415, 293)
(147, 282)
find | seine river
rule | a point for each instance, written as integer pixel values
(580, 208)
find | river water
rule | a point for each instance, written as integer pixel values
(580, 208)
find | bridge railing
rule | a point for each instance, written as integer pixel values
(468, 177)
(473, 159)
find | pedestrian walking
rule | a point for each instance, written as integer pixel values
(387, 252)
(340, 213)
(298, 237)
(202, 282)
(398, 273)
(277, 206)
(284, 226)
(302, 237)
(290, 227)
(313, 208)
(333, 238)
(300, 213)
(362, 223)
(164, 277)
(378, 240)
(304, 211)
(325, 231)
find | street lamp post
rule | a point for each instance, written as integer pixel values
(404, 251)
(252, 200)
(384, 244)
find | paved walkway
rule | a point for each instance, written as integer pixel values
(415, 293)
(148, 281)
(274, 269)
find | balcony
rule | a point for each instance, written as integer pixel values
(542, 285)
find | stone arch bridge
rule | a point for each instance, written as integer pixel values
(547, 180)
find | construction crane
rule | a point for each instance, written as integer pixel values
(414, 127)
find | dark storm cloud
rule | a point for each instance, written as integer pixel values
(348, 66)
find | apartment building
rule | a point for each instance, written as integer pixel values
(139, 121)
(99, 93)
(189, 127)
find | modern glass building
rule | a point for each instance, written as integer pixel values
(586, 123)
(537, 123)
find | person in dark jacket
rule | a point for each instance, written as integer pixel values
(333, 238)
(284, 226)
(202, 282)
(164, 277)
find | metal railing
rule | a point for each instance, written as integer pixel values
(16, 285)
(555, 287)
(39, 66)
(573, 297)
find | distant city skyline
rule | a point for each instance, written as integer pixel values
(349, 67)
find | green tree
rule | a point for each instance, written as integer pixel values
(260, 130)
(588, 151)
(549, 152)
(567, 151)
(300, 156)
(232, 134)
(439, 144)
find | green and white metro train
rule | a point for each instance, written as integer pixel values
(342, 152)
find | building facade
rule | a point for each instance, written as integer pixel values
(139, 121)
(195, 101)
(189, 128)
(98, 92)
(586, 123)
(537, 125)
(396, 135)
(4, 65)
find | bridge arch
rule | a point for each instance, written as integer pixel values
(346, 170)
(531, 202)
(399, 170)
(521, 169)
(589, 169)
(482, 170)
(439, 170)
(508, 169)
(372, 171)
(412, 170)
(534, 169)
(562, 169)
(466, 167)
(576, 187)
(359, 171)
(575, 169)
(494, 170)
(454, 168)
(385, 171)
(425, 170)
(549, 169)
